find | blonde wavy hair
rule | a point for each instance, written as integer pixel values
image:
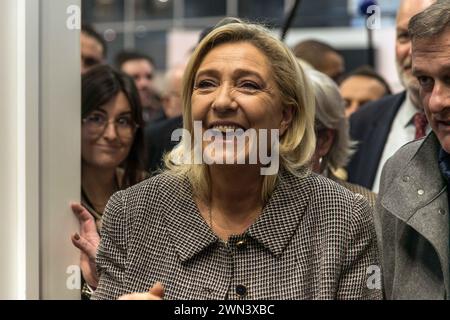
(297, 145)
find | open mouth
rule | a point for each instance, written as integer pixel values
(227, 130)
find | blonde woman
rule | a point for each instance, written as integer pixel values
(212, 230)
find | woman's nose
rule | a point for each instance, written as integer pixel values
(224, 99)
(110, 132)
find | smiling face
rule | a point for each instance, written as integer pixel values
(234, 89)
(406, 11)
(107, 149)
(431, 66)
(143, 74)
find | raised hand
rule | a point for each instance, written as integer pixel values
(87, 241)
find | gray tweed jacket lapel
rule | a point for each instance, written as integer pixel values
(418, 197)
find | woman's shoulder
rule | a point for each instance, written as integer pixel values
(356, 189)
(160, 184)
(317, 184)
(328, 197)
(348, 208)
(366, 193)
(342, 195)
(147, 199)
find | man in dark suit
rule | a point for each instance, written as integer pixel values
(158, 141)
(383, 126)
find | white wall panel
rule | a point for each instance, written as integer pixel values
(40, 148)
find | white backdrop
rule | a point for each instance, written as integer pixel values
(40, 140)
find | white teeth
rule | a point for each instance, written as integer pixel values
(226, 128)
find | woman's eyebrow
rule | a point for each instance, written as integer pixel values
(106, 112)
(125, 113)
(100, 110)
(207, 72)
(247, 72)
(237, 73)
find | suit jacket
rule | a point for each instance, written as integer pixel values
(158, 140)
(370, 127)
(412, 223)
(313, 240)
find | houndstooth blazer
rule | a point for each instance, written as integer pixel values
(313, 240)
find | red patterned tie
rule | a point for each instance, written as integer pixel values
(420, 122)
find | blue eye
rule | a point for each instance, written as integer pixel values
(425, 82)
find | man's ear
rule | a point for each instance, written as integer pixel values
(286, 120)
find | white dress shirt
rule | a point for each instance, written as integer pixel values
(402, 132)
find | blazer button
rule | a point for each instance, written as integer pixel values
(420, 192)
(207, 291)
(241, 290)
(241, 244)
(441, 211)
(405, 178)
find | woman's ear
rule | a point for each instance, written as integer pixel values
(286, 120)
(325, 141)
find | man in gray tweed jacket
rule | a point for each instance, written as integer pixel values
(412, 210)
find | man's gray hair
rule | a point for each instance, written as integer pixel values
(431, 22)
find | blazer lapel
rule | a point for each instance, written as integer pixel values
(377, 136)
(424, 200)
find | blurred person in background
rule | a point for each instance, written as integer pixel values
(158, 135)
(381, 127)
(322, 57)
(171, 93)
(111, 151)
(93, 48)
(141, 68)
(333, 145)
(361, 86)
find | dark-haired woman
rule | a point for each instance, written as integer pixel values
(111, 151)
